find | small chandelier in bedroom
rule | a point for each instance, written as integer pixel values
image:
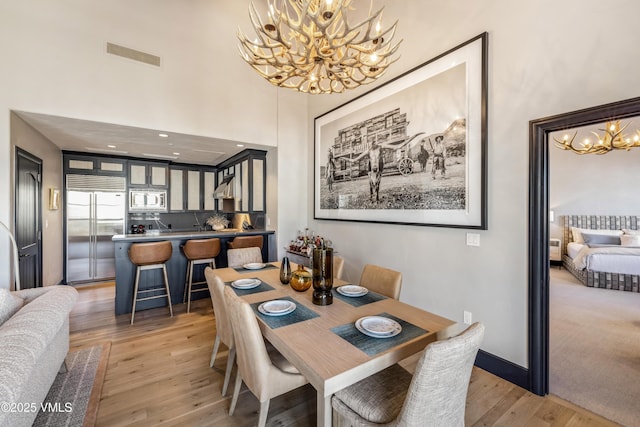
(612, 138)
(310, 46)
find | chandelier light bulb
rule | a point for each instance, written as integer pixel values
(312, 46)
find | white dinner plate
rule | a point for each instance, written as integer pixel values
(245, 283)
(276, 307)
(378, 326)
(254, 266)
(352, 290)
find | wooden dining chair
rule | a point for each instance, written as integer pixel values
(239, 257)
(224, 333)
(338, 267)
(381, 280)
(435, 395)
(267, 375)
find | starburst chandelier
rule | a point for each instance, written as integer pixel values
(612, 138)
(310, 46)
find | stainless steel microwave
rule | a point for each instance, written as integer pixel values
(147, 200)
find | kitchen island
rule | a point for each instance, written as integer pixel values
(176, 266)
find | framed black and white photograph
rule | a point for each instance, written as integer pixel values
(412, 151)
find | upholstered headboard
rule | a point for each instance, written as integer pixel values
(596, 222)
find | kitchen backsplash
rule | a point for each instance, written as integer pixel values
(182, 221)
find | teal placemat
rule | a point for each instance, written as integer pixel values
(246, 270)
(300, 314)
(359, 301)
(372, 346)
(263, 287)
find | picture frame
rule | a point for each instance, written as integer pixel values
(411, 151)
(54, 199)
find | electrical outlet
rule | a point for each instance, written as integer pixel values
(473, 239)
(468, 318)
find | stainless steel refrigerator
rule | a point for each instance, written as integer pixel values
(93, 217)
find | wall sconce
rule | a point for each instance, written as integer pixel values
(54, 199)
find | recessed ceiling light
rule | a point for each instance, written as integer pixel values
(176, 154)
(239, 145)
(111, 146)
(163, 135)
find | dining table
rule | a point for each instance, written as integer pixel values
(323, 342)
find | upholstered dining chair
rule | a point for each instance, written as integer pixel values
(239, 257)
(267, 375)
(224, 333)
(381, 280)
(246, 242)
(435, 395)
(338, 266)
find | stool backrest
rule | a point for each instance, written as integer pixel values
(150, 253)
(201, 248)
(246, 242)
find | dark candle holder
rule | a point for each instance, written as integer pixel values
(285, 271)
(322, 276)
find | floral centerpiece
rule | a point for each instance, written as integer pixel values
(218, 221)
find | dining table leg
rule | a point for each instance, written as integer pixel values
(324, 410)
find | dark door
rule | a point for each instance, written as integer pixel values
(28, 214)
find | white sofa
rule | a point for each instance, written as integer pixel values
(34, 341)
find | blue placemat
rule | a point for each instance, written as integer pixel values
(263, 287)
(241, 269)
(300, 314)
(359, 301)
(372, 346)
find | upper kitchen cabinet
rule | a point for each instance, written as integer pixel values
(148, 174)
(93, 165)
(243, 178)
(191, 188)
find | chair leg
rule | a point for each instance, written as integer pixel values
(166, 285)
(264, 411)
(190, 284)
(135, 294)
(186, 283)
(227, 372)
(236, 392)
(216, 344)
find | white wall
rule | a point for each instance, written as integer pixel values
(545, 58)
(593, 184)
(55, 63)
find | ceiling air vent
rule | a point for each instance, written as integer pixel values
(136, 55)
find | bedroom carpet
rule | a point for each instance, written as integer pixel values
(595, 348)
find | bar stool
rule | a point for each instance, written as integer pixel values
(150, 256)
(246, 242)
(202, 251)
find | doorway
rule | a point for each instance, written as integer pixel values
(539, 131)
(28, 214)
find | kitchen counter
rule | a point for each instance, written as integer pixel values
(176, 266)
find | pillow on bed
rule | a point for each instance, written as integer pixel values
(631, 232)
(577, 233)
(601, 239)
(630, 240)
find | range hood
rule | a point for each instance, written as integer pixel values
(225, 189)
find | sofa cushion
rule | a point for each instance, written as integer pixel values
(9, 305)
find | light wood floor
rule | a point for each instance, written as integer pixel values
(158, 374)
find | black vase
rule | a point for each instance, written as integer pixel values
(322, 276)
(285, 271)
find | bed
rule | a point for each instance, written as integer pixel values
(603, 251)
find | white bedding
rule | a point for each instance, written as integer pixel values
(614, 259)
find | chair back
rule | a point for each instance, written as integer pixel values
(239, 257)
(338, 266)
(381, 280)
(438, 392)
(201, 248)
(150, 253)
(253, 360)
(216, 290)
(246, 242)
